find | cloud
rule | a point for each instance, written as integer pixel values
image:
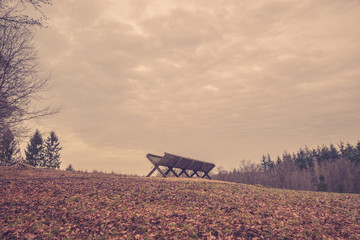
(218, 81)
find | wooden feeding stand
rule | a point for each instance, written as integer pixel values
(177, 162)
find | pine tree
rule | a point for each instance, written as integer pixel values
(35, 150)
(8, 148)
(52, 152)
(70, 168)
(334, 153)
(266, 162)
(322, 186)
(358, 154)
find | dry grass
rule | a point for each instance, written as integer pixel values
(69, 204)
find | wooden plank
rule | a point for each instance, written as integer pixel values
(207, 167)
(195, 165)
(183, 163)
(168, 160)
(153, 158)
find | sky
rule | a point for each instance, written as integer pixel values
(219, 81)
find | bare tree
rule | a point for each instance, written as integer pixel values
(341, 175)
(20, 80)
(18, 11)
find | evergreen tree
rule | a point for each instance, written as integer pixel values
(315, 153)
(324, 154)
(358, 153)
(334, 153)
(322, 186)
(300, 159)
(263, 163)
(266, 162)
(8, 148)
(35, 150)
(349, 152)
(52, 152)
(309, 157)
(70, 168)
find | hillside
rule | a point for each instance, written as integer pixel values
(47, 204)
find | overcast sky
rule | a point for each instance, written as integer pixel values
(218, 81)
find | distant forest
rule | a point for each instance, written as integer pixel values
(325, 168)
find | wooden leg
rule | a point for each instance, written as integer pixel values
(167, 172)
(195, 173)
(184, 171)
(174, 172)
(161, 172)
(151, 172)
(206, 175)
(170, 169)
(156, 167)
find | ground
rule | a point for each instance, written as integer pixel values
(38, 204)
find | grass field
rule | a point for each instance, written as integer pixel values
(38, 204)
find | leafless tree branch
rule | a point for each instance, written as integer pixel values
(20, 80)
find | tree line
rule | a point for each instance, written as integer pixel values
(324, 168)
(39, 152)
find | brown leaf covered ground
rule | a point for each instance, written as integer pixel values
(58, 204)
